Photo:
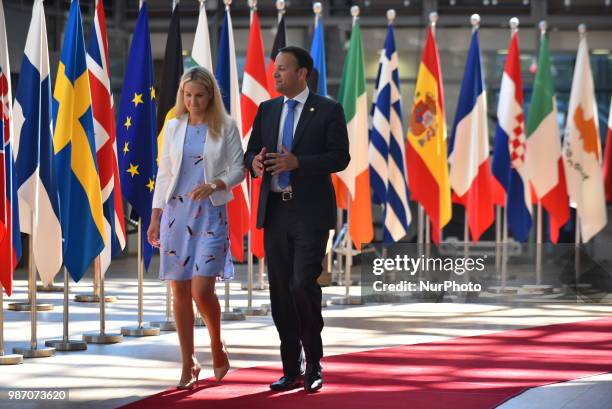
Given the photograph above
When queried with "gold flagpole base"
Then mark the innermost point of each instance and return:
(50, 288)
(99, 338)
(351, 300)
(11, 359)
(496, 289)
(164, 325)
(69, 345)
(92, 298)
(25, 306)
(233, 316)
(245, 287)
(39, 352)
(538, 288)
(252, 311)
(139, 331)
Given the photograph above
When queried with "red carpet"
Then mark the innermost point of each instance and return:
(470, 372)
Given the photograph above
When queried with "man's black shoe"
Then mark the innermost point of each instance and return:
(313, 379)
(286, 383)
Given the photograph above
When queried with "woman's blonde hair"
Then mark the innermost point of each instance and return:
(216, 117)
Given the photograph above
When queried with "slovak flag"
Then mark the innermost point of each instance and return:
(509, 167)
(470, 174)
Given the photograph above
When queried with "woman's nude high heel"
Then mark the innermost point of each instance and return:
(193, 382)
(221, 371)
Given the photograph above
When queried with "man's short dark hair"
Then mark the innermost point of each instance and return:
(303, 58)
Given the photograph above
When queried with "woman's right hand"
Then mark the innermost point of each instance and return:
(153, 233)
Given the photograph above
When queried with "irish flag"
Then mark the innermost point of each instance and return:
(582, 151)
(543, 158)
(353, 183)
(426, 147)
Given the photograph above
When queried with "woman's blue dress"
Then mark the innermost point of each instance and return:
(194, 237)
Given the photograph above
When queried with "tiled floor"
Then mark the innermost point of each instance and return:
(106, 376)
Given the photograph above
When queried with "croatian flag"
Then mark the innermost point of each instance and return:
(470, 174)
(509, 166)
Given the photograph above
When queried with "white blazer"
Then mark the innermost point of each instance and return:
(223, 160)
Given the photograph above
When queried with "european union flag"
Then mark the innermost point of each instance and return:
(81, 214)
(136, 129)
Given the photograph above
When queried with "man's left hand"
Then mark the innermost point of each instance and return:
(284, 161)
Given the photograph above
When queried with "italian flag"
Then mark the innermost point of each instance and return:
(544, 158)
(353, 183)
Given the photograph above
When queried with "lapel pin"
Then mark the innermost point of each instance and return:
(311, 109)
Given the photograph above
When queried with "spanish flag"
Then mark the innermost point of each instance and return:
(426, 146)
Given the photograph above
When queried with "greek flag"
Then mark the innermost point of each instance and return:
(386, 151)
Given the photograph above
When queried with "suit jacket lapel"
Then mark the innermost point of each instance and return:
(276, 111)
(307, 113)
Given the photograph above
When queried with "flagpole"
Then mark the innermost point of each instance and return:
(51, 288)
(514, 23)
(101, 337)
(317, 9)
(168, 324)
(9, 359)
(94, 297)
(25, 306)
(34, 351)
(66, 344)
(498, 239)
(228, 314)
(582, 30)
(390, 17)
(577, 243)
(250, 310)
(280, 7)
(542, 27)
(433, 19)
(140, 330)
(475, 21)
(348, 247)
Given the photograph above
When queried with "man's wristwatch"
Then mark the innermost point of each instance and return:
(213, 186)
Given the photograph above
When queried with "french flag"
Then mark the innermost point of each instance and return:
(511, 145)
(227, 76)
(470, 174)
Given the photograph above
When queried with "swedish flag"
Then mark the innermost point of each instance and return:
(81, 215)
(136, 129)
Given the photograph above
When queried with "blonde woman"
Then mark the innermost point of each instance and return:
(201, 160)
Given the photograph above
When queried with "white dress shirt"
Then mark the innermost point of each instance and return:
(301, 99)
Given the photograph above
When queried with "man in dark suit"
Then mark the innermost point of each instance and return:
(297, 141)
